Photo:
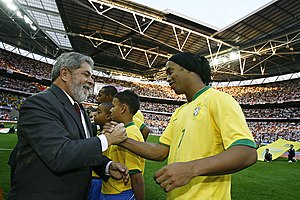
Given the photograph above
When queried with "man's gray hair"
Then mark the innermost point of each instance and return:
(71, 61)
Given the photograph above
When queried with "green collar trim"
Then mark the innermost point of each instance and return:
(200, 92)
(129, 124)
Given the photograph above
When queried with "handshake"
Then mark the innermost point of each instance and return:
(114, 132)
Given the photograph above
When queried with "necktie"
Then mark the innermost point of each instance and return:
(77, 108)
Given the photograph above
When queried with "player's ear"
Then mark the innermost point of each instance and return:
(109, 98)
(124, 107)
(106, 97)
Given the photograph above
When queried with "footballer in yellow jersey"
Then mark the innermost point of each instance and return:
(132, 161)
(193, 133)
(125, 105)
(206, 139)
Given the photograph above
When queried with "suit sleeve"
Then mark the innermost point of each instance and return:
(100, 169)
(54, 137)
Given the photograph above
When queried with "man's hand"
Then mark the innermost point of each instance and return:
(119, 171)
(173, 175)
(115, 133)
(109, 127)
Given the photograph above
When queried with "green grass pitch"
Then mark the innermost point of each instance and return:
(276, 180)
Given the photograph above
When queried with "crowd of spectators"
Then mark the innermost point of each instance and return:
(21, 85)
(4, 115)
(16, 63)
(158, 107)
(157, 123)
(141, 88)
(277, 92)
(10, 100)
(268, 132)
(34, 87)
(157, 115)
(288, 112)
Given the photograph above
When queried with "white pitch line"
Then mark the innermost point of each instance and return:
(5, 149)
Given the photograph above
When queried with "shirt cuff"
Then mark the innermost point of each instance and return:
(104, 142)
(107, 168)
(98, 127)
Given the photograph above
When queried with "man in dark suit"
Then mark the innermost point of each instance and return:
(55, 153)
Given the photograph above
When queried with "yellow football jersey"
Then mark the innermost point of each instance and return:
(132, 161)
(208, 125)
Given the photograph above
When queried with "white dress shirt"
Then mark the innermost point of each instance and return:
(102, 138)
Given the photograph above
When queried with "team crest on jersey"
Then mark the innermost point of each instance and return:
(196, 111)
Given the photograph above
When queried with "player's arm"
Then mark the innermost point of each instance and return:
(145, 132)
(146, 150)
(232, 160)
(138, 186)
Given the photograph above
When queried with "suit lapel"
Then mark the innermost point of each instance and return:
(69, 108)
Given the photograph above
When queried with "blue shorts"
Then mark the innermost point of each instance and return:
(125, 195)
(95, 189)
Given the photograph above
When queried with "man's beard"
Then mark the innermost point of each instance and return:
(78, 90)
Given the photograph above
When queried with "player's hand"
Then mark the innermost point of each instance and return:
(173, 175)
(119, 171)
(115, 133)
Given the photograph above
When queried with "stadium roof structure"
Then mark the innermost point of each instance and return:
(124, 37)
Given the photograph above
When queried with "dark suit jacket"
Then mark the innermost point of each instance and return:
(54, 159)
(94, 129)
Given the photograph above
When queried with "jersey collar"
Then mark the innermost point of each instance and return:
(129, 124)
(200, 92)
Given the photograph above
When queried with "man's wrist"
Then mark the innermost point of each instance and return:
(107, 168)
(98, 127)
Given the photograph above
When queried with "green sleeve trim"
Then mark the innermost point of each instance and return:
(244, 142)
(164, 144)
(129, 124)
(134, 171)
(142, 126)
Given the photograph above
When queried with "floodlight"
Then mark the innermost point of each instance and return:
(234, 55)
(10, 5)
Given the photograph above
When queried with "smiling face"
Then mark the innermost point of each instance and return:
(177, 77)
(80, 82)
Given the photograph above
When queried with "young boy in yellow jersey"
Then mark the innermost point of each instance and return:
(106, 94)
(206, 139)
(102, 116)
(125, 105)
